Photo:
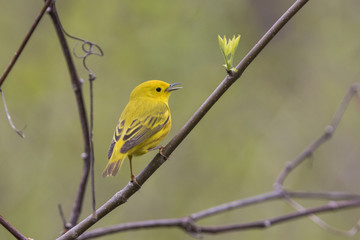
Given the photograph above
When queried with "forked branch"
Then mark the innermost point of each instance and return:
(24, 42)
(188, 224)
(77, 87)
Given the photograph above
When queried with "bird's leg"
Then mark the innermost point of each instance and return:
(132, 176)
(161, 148)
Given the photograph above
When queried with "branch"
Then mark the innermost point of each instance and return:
(122, 196)
(77, 89)
(15, 58)
(318, 221)
(273, 195)
(272, 221)
(329, 130)
(18, 131)
(24, 42)
(76, 84)
(11, 229)
(188, 223)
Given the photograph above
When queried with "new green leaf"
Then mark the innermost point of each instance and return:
(228, 48)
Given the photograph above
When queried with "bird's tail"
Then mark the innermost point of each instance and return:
(112, 167)
(116, 159)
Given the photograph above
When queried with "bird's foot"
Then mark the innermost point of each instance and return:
(161, 148)
(134, 181)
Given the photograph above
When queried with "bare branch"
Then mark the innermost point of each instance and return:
(188, 223)
(88, 48)
(62, 216)
(76, 84)
(175, 222)
(237, 204)
(274, 195)
(91, 140)
(322, 195)
(318, 221)
(121, 196)
(24, 42)
(272, 221)
(15, 58)
(329, 130)
(19, 132)
(11, 229)
(261, 44)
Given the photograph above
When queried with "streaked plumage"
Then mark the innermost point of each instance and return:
(145, 121)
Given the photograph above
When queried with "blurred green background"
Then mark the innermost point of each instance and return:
(282, 103)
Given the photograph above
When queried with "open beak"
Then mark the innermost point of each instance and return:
(173, 87)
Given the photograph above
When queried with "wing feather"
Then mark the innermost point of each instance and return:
(149, 125)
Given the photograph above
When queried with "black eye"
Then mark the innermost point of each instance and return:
(158, 89)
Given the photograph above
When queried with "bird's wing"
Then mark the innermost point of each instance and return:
(144, 127)
(137, 123)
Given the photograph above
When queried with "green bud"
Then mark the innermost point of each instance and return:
(228, 48)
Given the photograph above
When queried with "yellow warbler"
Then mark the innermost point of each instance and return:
(144, 122)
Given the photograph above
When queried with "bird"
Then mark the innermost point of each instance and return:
(144, 122)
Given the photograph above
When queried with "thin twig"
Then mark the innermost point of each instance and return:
(322, 195)
(15, 58)
(62, 216)
(19, 132)
(329, 130)
(89, 48)
(76, 84)
(237, 204)
(121, 196)
(12, 230)
(92, 156)
(175, 222)
(318, 221)
(24, 42)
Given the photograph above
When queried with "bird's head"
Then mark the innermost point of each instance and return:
(154, 89)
